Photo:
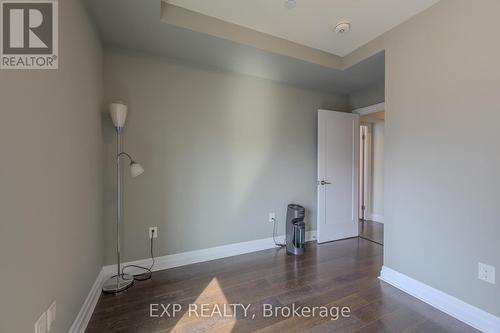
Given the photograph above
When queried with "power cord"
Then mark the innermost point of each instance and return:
(274, 234)
(148, 271)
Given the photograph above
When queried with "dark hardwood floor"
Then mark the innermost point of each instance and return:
(337, 274)
(371, 230)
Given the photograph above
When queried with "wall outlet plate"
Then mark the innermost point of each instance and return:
(51, 316)
(153, 232)
(272, 217)
(486, 273)
(41, 324)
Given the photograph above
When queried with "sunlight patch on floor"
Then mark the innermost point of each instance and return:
(210, 311)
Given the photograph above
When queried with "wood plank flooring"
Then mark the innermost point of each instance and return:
(335, 275)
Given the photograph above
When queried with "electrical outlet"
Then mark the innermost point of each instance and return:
(153, 232)
(272, 217)
(41, 324)
(51, 315)
(486, 273)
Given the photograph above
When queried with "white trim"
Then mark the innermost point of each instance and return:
(83, 317)
(370, 109)
(192, 257)
(375, 217)
(462, 311)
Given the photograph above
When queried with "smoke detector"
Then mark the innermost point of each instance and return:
(342, 27)
(290, 4)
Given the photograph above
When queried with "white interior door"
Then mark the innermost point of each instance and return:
(338, 163)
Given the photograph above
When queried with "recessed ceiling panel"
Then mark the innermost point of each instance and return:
(312, 22)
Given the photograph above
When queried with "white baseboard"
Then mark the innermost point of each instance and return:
(450, 305)
(192, 257)
(376, 217)
(83, 317)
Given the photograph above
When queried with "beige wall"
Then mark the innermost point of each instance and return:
(220, 151)
(368, 96)
(51, 245)
(441, 135)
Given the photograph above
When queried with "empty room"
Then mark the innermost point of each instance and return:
(249, 166)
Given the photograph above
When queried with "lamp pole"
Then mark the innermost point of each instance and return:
(118, 197)
(120, 281)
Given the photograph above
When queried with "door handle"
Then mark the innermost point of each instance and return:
(324, 182)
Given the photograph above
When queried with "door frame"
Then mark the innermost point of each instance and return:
(365, 184)
(370, 109)
(375, 108)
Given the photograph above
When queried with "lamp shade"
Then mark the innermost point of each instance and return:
(118, 112)
(136, 169)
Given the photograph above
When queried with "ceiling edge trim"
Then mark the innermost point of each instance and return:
(191, 20)
(370, 109)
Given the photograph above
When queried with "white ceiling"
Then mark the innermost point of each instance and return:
(311, 22)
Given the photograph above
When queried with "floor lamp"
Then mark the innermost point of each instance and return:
(120, 281)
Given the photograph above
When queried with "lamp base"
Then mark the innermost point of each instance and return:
(117, 283)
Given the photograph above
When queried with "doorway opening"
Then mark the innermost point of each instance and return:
(371, 176)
